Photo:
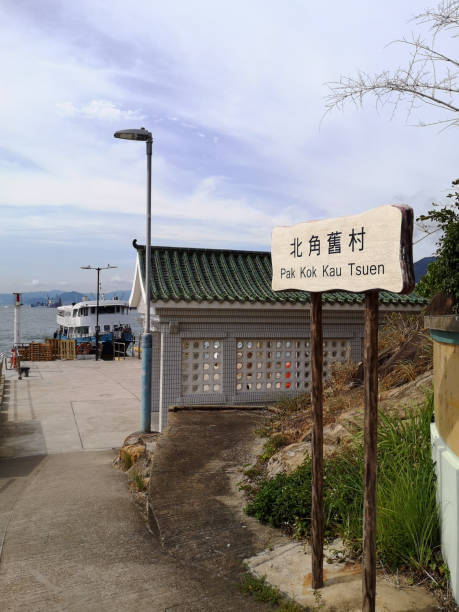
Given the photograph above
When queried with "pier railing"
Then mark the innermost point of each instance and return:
(119, 350)
(3, 363)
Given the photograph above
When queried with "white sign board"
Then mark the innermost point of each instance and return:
(372, 250)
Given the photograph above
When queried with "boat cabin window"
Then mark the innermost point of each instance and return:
(93, 309)
(74, 313)
(107, 309)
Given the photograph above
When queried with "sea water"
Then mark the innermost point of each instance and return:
(39, 323)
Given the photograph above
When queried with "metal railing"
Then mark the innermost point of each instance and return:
(119, 350)
(3, 363)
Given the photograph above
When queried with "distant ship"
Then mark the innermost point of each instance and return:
(48, 303)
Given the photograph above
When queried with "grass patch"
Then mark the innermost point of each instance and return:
(127, 459)
(399, 328)
(263, 591)
(408, 532)
(272, 445)
(260, 589)
(137, 481)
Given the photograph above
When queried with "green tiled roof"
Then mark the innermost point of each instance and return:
(217, 275)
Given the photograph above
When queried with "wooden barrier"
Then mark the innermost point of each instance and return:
(54, 344)
(24, 352)
(40, 352)
(67, 349)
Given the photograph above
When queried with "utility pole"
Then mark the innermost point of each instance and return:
(98, 268)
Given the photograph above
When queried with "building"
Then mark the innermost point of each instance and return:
(222, 336)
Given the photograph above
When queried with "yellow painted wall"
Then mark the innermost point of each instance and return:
(446, 393)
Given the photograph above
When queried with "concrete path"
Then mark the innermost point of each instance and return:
(70, 537)
(66, 406)
(194, 494)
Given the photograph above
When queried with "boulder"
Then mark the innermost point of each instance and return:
(288, 458)
(334, 436)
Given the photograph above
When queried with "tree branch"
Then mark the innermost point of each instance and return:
(428, 77)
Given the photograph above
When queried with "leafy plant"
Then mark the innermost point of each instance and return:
(443, 274)
(407, 516)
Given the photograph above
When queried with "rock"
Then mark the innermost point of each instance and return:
(133, 438)
(288, 458)
(135, 451)
(150, 440)
(352, 420)
(334, 435)
(409, 394)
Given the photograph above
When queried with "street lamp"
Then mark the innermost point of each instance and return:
(145, 136)
(98, 268)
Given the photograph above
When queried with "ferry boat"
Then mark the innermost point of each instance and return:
(78, 322)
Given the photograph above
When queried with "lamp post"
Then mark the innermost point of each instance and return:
(98, 268)
(145, 136)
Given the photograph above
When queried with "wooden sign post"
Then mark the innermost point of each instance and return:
(317, 520)
(367, 252)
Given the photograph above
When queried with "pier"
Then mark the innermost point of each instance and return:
(70, 536)
(70, 406)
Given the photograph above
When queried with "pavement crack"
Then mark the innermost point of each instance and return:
(76, 424)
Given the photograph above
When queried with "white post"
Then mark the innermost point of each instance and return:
(17, 319)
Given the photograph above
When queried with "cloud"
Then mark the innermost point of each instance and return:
(35, 282)
(235, 119)
(103, 110)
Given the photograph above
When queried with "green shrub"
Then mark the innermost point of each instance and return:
(407, 516)
(284, 500)
(408, 525)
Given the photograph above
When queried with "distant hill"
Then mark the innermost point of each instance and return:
(420, 267)
(67, 297)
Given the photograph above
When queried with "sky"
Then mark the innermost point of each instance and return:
(233, 92)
